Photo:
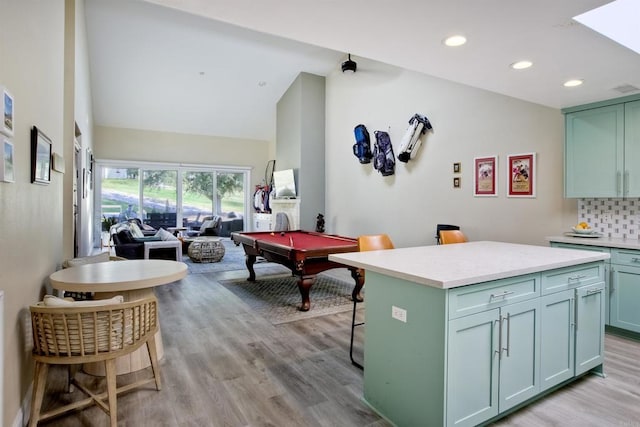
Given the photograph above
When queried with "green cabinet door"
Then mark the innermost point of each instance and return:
(557, 338)
(594, 152)
(472, 382)
(589, 327)
(520, 353)
(632, 149)
(625, 297)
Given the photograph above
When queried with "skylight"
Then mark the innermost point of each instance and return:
(616, 20)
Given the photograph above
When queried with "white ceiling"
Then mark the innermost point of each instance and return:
(195, 66)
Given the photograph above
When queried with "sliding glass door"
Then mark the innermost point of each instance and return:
(165, 196)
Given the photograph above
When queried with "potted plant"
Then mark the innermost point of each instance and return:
(108, 222)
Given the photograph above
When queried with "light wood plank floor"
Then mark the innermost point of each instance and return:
(226, 366)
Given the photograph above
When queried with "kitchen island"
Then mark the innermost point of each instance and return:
(460, 335)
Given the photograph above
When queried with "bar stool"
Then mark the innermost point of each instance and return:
(370, 242)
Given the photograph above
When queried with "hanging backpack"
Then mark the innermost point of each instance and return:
(383, 159)
(362, 147)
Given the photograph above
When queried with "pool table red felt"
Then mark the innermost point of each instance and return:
(306, 253)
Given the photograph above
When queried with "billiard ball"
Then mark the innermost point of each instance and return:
(282, 233)
(273, 234)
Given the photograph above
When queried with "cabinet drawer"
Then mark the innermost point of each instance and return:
(571, 277)
(472, 299)
(625, 257)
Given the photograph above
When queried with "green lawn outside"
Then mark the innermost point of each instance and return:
(129, 187)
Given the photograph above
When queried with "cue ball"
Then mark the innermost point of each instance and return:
(282, 233)
(272, 234)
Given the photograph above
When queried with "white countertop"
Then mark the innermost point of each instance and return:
(450, 266)
(607, 242)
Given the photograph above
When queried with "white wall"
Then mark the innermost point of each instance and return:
(32, 68)
(467, 123)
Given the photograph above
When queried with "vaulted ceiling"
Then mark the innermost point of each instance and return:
(215, 67)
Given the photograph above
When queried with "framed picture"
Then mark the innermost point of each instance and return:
(40, 157)
(522, 175)
(456, 168)
(456, 182)
(6, 107)
(485, 176)
(6, 166)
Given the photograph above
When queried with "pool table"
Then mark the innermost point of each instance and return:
(305, 253)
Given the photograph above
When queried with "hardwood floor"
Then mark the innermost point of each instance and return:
(226, 366)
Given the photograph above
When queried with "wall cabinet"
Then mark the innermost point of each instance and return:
(602, 151)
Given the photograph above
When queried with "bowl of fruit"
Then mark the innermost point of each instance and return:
(583, 228)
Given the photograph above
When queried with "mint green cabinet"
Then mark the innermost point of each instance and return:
(632, 148)
(557, 338)
(607, 271)
(625, 297)
(594, 152)
(467, 355)
(504, 372)
(602, 151)
(589, 327)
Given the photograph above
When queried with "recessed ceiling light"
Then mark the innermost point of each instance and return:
(454, 41)
(573, 83)
(521, 65)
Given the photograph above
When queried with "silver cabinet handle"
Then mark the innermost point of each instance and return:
(577, 278)
(499, 350)
(508, 333)
(571, 310)
(618, 182)
(502, 295)
(634, 259)
(625, 183)
(593, 291)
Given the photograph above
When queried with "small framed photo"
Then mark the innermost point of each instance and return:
(40, 157)
(6, 166)
(456, 182)
(485, 176)
(7, 109)
(522, 175)
(456, 167)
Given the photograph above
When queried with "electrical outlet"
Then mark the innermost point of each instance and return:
(606, 218)
(399, 313)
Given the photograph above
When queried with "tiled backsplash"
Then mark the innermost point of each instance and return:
(612, 217)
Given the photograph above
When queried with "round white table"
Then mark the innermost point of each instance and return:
(133, 279)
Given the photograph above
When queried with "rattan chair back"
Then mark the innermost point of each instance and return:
(67, 335)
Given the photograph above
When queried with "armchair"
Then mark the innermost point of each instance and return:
(211, 226)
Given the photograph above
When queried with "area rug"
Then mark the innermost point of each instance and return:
(277, 298)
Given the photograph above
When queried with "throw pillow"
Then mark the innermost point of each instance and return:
(101, 257)
(165, 235)
(135, 230)
(53, 301)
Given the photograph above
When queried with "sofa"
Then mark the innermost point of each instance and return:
(130, 246)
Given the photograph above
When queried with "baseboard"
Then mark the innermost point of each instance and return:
(22, 417)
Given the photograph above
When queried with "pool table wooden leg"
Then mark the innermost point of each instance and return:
(249, 261)
(358, 276)
(304, 285)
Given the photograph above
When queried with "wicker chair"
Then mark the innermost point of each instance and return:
(76, 334)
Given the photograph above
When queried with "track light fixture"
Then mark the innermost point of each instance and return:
(349, 65)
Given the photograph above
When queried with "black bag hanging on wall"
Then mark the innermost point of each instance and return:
(362, 147)
(383, 159)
